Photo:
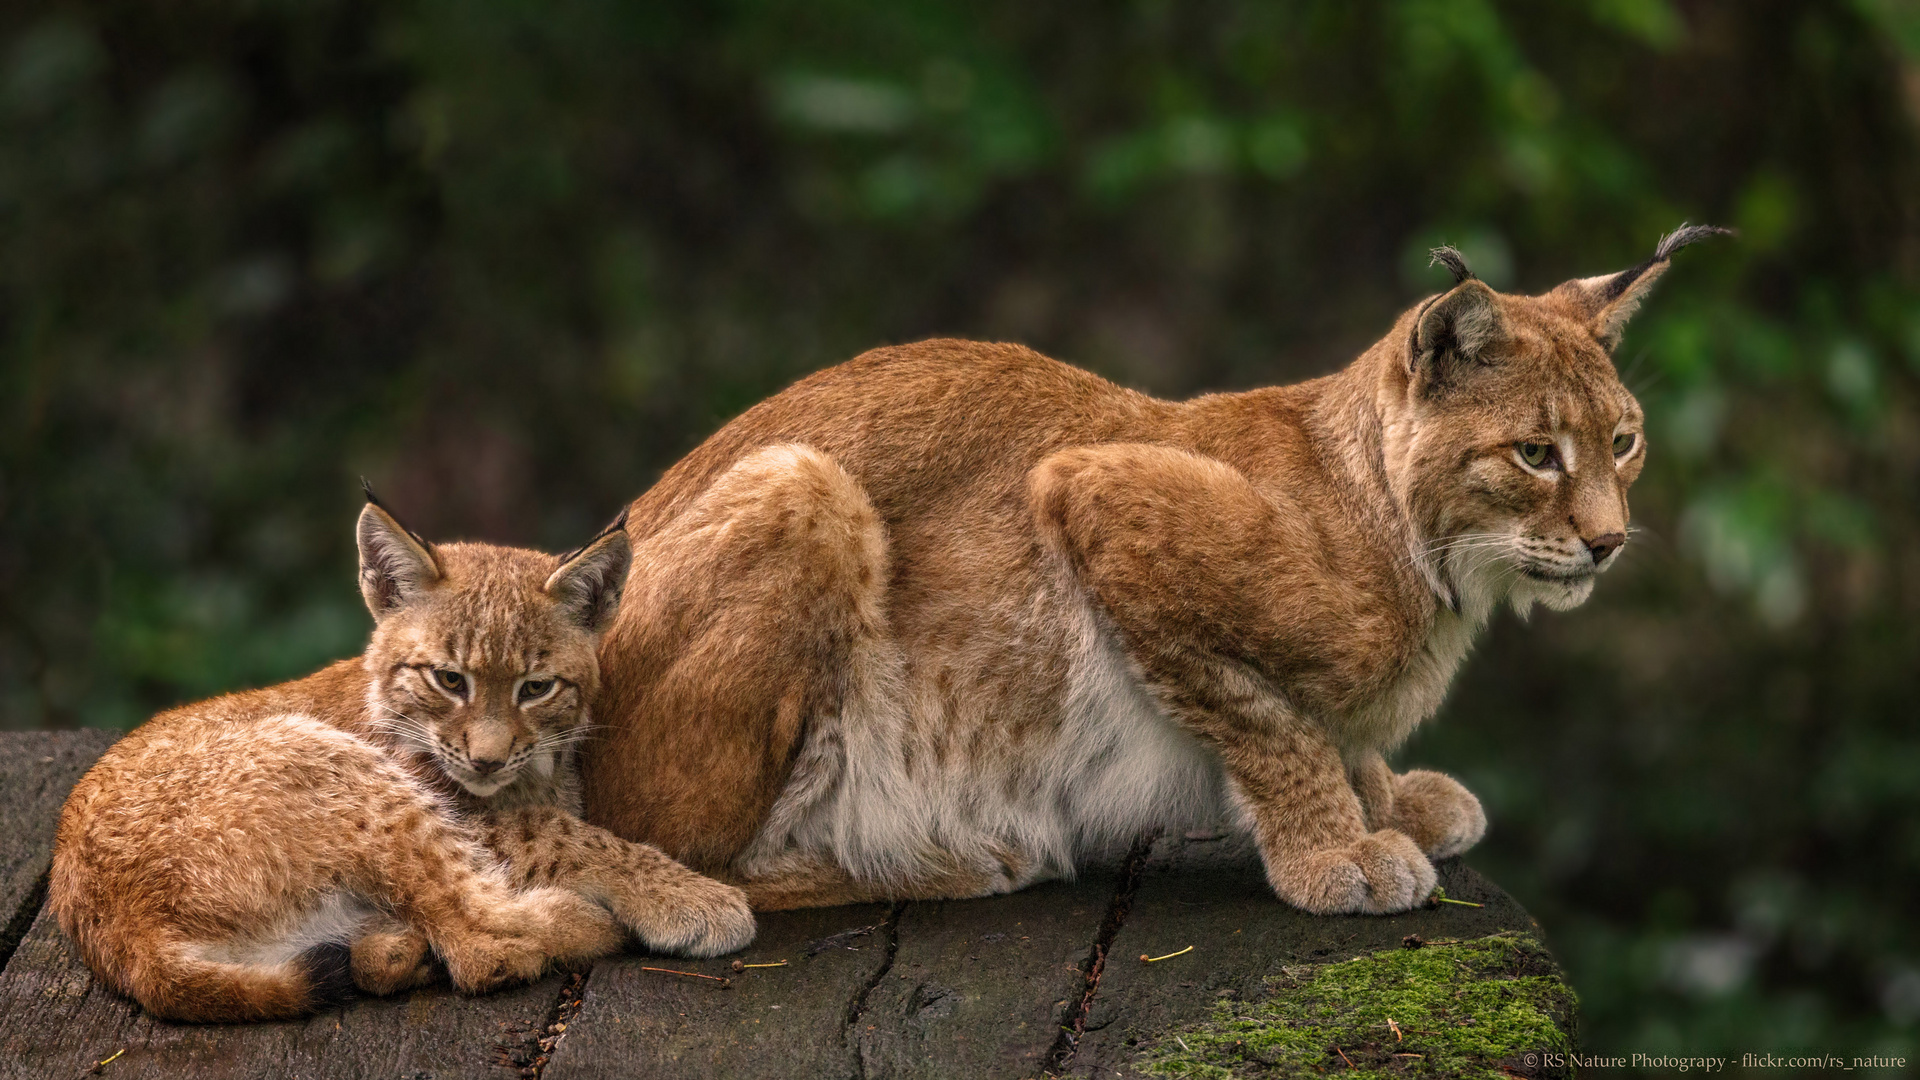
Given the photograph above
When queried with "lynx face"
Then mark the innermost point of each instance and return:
(483, 657)
(1518, 441)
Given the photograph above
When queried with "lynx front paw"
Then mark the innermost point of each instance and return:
(1442, 816)
(694, 916)
(1379, 873)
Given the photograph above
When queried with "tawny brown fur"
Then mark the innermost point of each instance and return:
(211, 858)
(942, 619)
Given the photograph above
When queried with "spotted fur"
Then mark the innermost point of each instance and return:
(216, 860)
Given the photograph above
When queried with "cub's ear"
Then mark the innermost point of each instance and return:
(589, 581)
(1608, 301)
(396, 566)
(1456, 330)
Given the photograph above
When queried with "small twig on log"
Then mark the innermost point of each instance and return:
(1462, 903)
(1344, 1057)
(1144, 958)
(100, 1066)
(738, 966)
(1395, 1028)
(721, 979)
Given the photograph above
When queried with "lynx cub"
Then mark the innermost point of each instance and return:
(223, 860)
(954, 616)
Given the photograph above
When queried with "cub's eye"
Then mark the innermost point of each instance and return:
(535, 688)
(1536, 454)
(451, 681)
(1623, 442)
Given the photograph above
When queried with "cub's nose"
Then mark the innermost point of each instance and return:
(486, 766)
(1604, 545)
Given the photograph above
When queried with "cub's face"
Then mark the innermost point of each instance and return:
(483, 658)
(1519, 444)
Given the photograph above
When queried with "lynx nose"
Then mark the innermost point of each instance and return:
(486, 766)
(1604, 545)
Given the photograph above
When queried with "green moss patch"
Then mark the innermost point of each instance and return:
(1474, 1008)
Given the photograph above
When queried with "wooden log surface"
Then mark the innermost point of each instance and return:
(1046, 981)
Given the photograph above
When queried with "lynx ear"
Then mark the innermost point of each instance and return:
(396, 566)
(1609, 300)
(1456, 330)
(589, 581)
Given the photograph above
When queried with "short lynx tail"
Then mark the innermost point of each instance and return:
(174, 984)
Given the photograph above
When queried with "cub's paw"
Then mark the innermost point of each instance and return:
(1379, 873)
(478, 963)
(390, 960)
(569, 926)
(691, 914)
(1442, 816)
(522, 938)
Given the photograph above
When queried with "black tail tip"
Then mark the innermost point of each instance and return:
(329, 971)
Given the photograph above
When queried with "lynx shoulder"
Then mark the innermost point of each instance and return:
(249, 856)
(954, 616)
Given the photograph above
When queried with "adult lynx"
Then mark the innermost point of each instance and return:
(940, 620)
(221, 858)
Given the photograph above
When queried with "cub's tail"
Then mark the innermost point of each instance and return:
(176, 983)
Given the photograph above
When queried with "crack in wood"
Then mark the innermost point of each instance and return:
(531, 1054)
(858, 1005)
(22, 920)
(1073, 1022)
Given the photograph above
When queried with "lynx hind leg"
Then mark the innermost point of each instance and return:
(757, 609)
(1438, 812)
(667, 906)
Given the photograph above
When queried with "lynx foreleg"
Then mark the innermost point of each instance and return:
(1441, 815)
(1228, 609)
(664, 904)
(1294, 795)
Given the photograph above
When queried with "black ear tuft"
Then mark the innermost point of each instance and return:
(589, 581)
(1449, 256)
(1684, 235)
(1662, 253)
(374, 500)
(618, 524)
(1612, 300)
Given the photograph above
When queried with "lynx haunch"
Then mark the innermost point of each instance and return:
(942, 620)
(245, 857)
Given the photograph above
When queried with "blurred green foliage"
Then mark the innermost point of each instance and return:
(511, 259)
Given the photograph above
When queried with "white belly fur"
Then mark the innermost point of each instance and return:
(1114, 766)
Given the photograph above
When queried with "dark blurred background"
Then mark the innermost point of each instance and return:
(510, 259)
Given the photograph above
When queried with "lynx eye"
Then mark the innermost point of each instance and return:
(1536, 454)
(1623, 442)
(451, 681)
(535, 688)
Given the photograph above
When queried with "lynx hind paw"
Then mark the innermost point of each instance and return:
(1379, 873)
(1441, 815)
(695, 917)
(389, 961)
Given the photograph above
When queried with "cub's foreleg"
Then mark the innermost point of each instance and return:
(444, 887)
(666, 905)
(1226, 603)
